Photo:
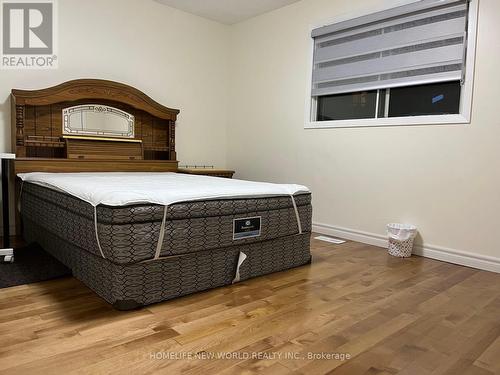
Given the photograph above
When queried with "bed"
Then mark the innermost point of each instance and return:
(135, 231)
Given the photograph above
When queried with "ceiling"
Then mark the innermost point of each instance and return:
(227, 11)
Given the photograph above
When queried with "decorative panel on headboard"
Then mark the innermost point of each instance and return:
(37, 127)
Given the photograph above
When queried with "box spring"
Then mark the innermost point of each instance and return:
(198, 251)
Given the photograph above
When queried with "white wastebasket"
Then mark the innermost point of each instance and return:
(401, 238)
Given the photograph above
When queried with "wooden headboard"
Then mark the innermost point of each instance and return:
(39, 144)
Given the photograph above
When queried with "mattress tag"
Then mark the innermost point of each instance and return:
(246, 227)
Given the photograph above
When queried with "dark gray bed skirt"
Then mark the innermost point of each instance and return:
(128, 286)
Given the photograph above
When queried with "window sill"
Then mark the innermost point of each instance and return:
(393, 121)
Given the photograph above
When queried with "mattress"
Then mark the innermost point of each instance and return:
(130, 234)
(146, 247)
(164, 188)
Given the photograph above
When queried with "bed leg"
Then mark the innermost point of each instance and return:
(127, 304)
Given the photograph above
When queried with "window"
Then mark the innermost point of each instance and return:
(422, 100)
(406, 65)
(434, 99)
(347, 106)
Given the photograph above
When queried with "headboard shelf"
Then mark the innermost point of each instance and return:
(25, 165)
(38, 131)
(102, 139)
(43, 141)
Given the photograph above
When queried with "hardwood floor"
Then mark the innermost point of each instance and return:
(391, 316)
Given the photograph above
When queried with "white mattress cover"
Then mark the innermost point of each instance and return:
(165, 188)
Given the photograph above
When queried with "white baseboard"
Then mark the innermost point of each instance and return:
(426, 250)
(351, 234)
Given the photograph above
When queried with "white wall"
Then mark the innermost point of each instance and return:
(180, 60)
(445, 179)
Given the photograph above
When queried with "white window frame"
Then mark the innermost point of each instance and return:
(464, 117)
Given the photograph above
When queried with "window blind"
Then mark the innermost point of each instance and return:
(419, 43)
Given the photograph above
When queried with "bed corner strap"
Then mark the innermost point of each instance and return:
(97, 233)
(162, 234)
(241, 259)
(20, 195)
(299, 224)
